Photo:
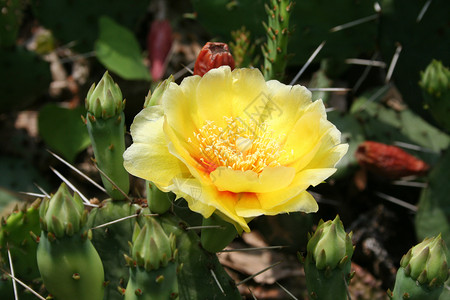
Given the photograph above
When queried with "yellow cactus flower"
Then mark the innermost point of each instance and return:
(233, 144)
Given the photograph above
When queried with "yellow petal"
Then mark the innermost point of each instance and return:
(287, 104)
(249, 94)
(301, 181)
(237, 181)
(303, 136)
(184, 153)
(328, 157)
(238, 94)
(214, 98)
(205, 199)
(303, 202)
(148, 156)
(180, 108)
(249, 205)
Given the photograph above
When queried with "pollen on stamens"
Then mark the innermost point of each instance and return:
(241, 145)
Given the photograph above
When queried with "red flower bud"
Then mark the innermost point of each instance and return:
(213, 55)
(159, 42)
(389, 161)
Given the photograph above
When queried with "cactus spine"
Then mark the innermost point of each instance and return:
(68, 262)
(105, 122)
(328, 261)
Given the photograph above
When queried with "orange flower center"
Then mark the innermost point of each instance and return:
(241, 145)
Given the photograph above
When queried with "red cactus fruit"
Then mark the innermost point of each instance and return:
(213, 55)
(389, 161)
(159, 42)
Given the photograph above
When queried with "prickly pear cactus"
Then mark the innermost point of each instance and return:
(328, 261)
(105, 122)
(433, 217)
(423, 271)
(277, 28)
(111, 241)
(153, 267)
(435, 84)
(15, 235)
(311, 20)
(195, 275)
(68, 262)
(421, 36)
(384, 124)
(243, 49)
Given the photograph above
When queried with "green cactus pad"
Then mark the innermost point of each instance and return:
(108, 141)
(433, 214)
(195, 280)
(15, 235)
(111, 241)
(71, 268)
(155, 284)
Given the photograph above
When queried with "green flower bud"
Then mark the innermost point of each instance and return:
(62, 214)
(151, 247)
(105, 100)
(427, 262)
(436, 79)
(155, 97)
(330, 246)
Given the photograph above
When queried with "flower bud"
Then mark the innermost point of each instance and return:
(105, 100)
(330, 246)
(155, 97)
(435, 83)
(62, 214)
(427, 262)
(213, 55)
(435, 79)
(152, 248)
